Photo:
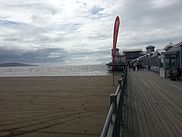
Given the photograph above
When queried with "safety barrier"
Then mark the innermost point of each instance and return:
(115, 117)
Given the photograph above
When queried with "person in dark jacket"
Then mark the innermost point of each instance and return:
(176, 75)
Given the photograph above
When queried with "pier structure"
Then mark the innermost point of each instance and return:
(152, 107)
(118, 62)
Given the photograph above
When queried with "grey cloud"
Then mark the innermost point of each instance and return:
(11, 39)
(141, 24)
(66, 27)
(31, 39)
(12, 24)
(51, 55)
(37, 18)
(144, 20)
(142, 14)
(90, 53)
(46, 54)
(42, 39)
(99, 56)
(98, 36)
(27, 33)
(21, 26)
(28, 28)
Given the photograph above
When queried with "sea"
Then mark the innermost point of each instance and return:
(66, 70)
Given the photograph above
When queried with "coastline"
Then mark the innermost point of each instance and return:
(54, 106)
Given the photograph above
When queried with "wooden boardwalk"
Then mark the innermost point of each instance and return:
(154, 106)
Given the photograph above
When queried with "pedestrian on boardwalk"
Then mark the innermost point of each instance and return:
(129, 65)
(138, 66)
(134, 66)
(143, 66)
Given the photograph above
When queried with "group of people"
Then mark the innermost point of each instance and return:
(139, 65)
(136, 65)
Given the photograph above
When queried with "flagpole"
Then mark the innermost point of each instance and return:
(112, 76)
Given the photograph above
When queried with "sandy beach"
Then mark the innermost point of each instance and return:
(54, 106)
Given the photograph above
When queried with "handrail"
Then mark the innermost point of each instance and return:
(112, 128)
(117, 90)
(108, 119)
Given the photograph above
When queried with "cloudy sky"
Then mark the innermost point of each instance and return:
(80, 31)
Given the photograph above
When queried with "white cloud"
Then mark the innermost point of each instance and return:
(80, 26)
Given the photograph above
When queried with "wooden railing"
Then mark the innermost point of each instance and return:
(115, 118)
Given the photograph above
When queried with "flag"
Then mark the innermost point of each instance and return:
(115, 36)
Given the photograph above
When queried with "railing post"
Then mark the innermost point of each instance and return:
(113, 99)
(123, 98)
(120, 82)
(120, 106)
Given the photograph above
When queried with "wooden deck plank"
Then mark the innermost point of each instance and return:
(151, 114)
(160, 120)
(146, 104)
(155, 106)
(134, 116)
(128, 132)
(168, 112)
(161, 110)
(146, 117)
(139, 113)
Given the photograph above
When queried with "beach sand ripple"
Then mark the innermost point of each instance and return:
(54, 106)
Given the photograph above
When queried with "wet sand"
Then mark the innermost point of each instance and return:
(54, 106)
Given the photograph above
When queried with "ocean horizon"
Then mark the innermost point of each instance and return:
(61, 70)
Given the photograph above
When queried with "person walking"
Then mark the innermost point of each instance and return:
(138, 65)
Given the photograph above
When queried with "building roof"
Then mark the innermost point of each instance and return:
(158, 52)
(169, 46)
(175, 48)
(150, 47)
(132, 50)
(179, 44)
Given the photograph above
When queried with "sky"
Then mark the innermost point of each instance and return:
(80, 31)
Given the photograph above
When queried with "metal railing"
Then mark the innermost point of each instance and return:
(115, 117)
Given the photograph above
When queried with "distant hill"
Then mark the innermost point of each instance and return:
(14, 65)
